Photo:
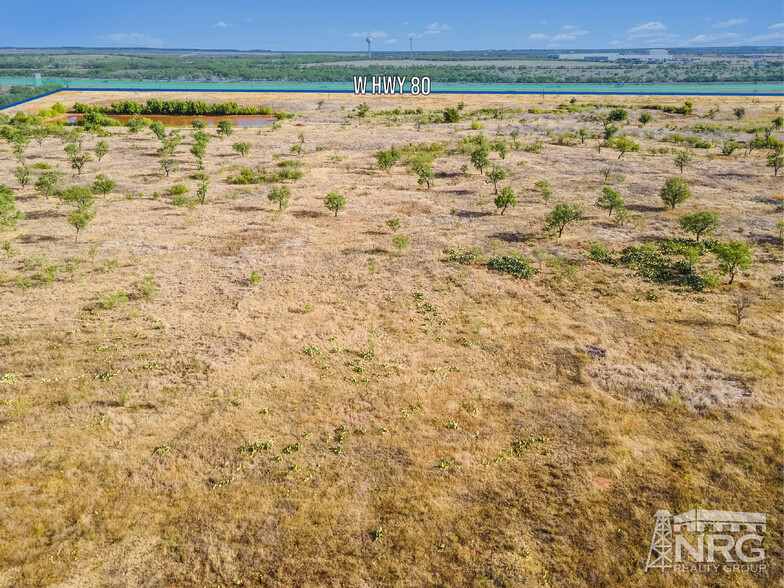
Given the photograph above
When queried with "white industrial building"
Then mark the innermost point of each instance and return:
(652, 55)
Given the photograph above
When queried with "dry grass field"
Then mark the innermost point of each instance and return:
(359, 415)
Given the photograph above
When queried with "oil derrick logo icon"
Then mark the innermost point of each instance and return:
(707, 541)
(660, 552)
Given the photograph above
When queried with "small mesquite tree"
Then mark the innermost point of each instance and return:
(198, 124)
(562, 215)
(424, 172)
(335, 202)
(451, 115)
(78, 157)
(742, 301)
(682, 159)
(495, 175)
(610, 200)
(103, 185)
(624, 144)
(545, 189)
(47, 182)
(225, 128)
(386, 159)
(41, 133)
(19, 144)
(22, 174)
(280, 195)
(645, 118)
(135, 124)
(301, 138)
(82, 200)
(9, 214)
(739, 112)
(158, 129)
(198, 149)
(169, 165)
(479, 158)
(201, 190)
(699, 223)
(80, 218)
(617, 115)
(675, 191)
(297, 148)
(733, 257)
(101, 149)
(170, 143)
(505, 199)
(776, 161)
(501, 148)
(241, 148)
(401, 242)
(394, 224)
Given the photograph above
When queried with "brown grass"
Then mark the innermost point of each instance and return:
(683, 411)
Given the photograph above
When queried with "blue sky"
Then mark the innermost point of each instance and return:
(434, 26)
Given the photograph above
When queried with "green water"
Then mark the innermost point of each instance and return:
(326, 87)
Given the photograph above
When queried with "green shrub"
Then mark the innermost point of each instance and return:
(519, 268)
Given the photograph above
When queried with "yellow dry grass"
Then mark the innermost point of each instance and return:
(121, 428)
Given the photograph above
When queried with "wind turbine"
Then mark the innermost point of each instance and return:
(369, 41)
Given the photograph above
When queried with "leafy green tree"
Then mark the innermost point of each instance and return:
(200, 136)
(424, 172)
(394, 224)
(101, 149)
(545, 189)
(776, 161)
(335, 202)
(9, 214)
(479, 158)
(495, 175)
(505, 199)
(201, 190)
(198, 149)
(77, 197)
(401, 242)
(298, 149)
(281, 195)
(609, 131)
(501, 148)
(730, 147)
(135, 124)
(169, 165)
(705, 222)
(41, 133)
(301, 138)
(739, 112)
(610, 200)
(47, 182)
(225, 128)
(103, 185)
(386, 159)
(79, 159)
(158, 129)
(80, 218)
(645, 118)
(22, 174)
(624, 144)
(617, 115)
(734, 256)
(562, 215)
(675, 191)
(241, 148)
(777, 123)
(197, 124)
(682, 159)
(451, 115)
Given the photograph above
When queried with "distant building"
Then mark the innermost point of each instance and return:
(652, 55)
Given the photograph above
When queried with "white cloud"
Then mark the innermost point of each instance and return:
(131, 40)
(569, 27)
(435, 28)
(538, 37)
(222, 25)
(733, 22)
(542, 22)
(769, 37)
(570, 36)
(647, 27)
(414, 35)
(374, 34)
(778, 25)
(713, 38)
(390, 41)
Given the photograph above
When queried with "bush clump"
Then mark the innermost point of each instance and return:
(519, 268)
